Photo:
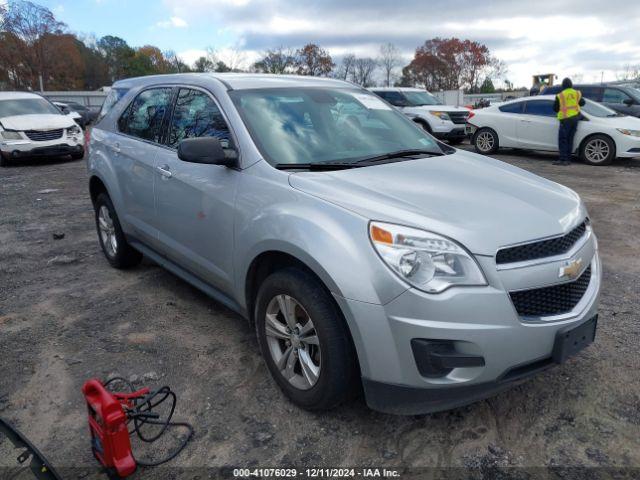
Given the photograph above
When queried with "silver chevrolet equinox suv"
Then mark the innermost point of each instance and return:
(368, 255)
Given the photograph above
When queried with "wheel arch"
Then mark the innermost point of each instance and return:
(96, 187)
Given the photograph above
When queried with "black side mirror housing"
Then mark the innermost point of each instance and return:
(206, 150)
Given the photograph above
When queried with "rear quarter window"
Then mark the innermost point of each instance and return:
(512, 107)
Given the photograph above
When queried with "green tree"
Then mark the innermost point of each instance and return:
(203, 64)
(118, 56)
(487, 86)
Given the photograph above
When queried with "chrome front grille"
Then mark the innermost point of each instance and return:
(458, 117)
(554, 300)
(542, 248)
(43, 135)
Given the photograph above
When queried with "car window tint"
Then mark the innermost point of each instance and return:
(592, 93)
(613, 95)
(511, 108)
(543, 108)
(143, 118)
(197, 115)
(394, 98)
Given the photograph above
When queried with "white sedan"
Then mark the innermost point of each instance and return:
(531, 124)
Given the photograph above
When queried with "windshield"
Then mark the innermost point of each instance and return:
(315, 125)
(26, 106)
(421, 98)
(597, 109)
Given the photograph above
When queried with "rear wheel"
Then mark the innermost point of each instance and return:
(598, 150)
(4, 160)
(485, 141)
(304, 340)
(112, 240)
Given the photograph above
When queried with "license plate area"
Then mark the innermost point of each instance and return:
(572, 340)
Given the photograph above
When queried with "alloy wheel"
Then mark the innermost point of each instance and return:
(597, 150)
(485, 141)
(107, 231)
(293, 342)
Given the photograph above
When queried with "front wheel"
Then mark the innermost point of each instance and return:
(485, 141)
(304, 340)
(598, 150)
(112, 240)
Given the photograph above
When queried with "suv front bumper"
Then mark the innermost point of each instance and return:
(478, 321)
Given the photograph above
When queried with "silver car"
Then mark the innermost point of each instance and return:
(368, 255)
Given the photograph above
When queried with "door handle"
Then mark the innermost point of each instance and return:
(164, 171)
(116, 147)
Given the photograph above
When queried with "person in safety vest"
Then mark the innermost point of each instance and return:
(567, 106)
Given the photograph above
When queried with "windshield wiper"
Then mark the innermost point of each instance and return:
(326, 166)
(399, 154)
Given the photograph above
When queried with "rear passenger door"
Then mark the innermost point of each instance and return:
(195, 202)
(538, 126)
(134, 150)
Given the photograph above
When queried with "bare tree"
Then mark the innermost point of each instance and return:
(313, 60)
(363, 71)
(629, 72)
(389, 59)
(345, 71)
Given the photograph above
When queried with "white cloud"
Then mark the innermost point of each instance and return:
(175, 22)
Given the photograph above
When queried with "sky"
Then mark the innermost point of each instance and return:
(585, 39)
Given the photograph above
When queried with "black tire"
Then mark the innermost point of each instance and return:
(77, 156)
(122, 255)
(485, 141)
(589, 150)
(338, 378)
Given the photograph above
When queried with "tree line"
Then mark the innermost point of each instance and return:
(38, 51)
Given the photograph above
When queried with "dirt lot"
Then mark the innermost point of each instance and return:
(66, 316)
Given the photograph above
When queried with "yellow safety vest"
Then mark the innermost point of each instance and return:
(569, 103)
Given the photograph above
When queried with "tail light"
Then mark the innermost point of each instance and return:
(471, 115)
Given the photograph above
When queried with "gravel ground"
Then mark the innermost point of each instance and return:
(66, 316)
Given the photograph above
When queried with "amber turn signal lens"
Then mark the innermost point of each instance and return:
(380, 235)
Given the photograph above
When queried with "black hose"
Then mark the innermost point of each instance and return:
(142, 414)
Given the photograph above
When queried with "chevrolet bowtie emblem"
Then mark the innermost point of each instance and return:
(570, 269)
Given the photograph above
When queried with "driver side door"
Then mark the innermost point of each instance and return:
(195, 202)
(538, 126)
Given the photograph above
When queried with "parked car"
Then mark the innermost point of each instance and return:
(65, 109)
(32, 126)
(531, 124)
(363, 253)
(88, 115)
(624, 99)
(442, 121)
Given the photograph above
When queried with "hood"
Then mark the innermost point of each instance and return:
(481, 202)
(630, 123)
(36, 122)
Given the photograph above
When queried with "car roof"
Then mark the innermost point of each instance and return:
(17, 95)
(237, 81)
(397, 89)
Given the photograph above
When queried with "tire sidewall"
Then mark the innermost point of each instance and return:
(612, 150)
(118, 259)
(334, 341)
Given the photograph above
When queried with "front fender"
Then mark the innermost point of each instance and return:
(332, 241)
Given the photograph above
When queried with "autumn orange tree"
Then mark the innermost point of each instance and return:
(449, 63)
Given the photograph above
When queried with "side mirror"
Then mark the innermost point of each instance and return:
(206, 150)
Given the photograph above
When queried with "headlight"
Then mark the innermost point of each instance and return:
(423, 259)
(75, 130)
(441, 115)
(633, 133)
(11, 135)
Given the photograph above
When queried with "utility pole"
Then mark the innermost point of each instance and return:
(41, 83)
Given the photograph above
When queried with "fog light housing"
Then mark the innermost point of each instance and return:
(438, 358)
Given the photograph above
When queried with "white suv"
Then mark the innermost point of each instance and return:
(442, 121)
(32, 126)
